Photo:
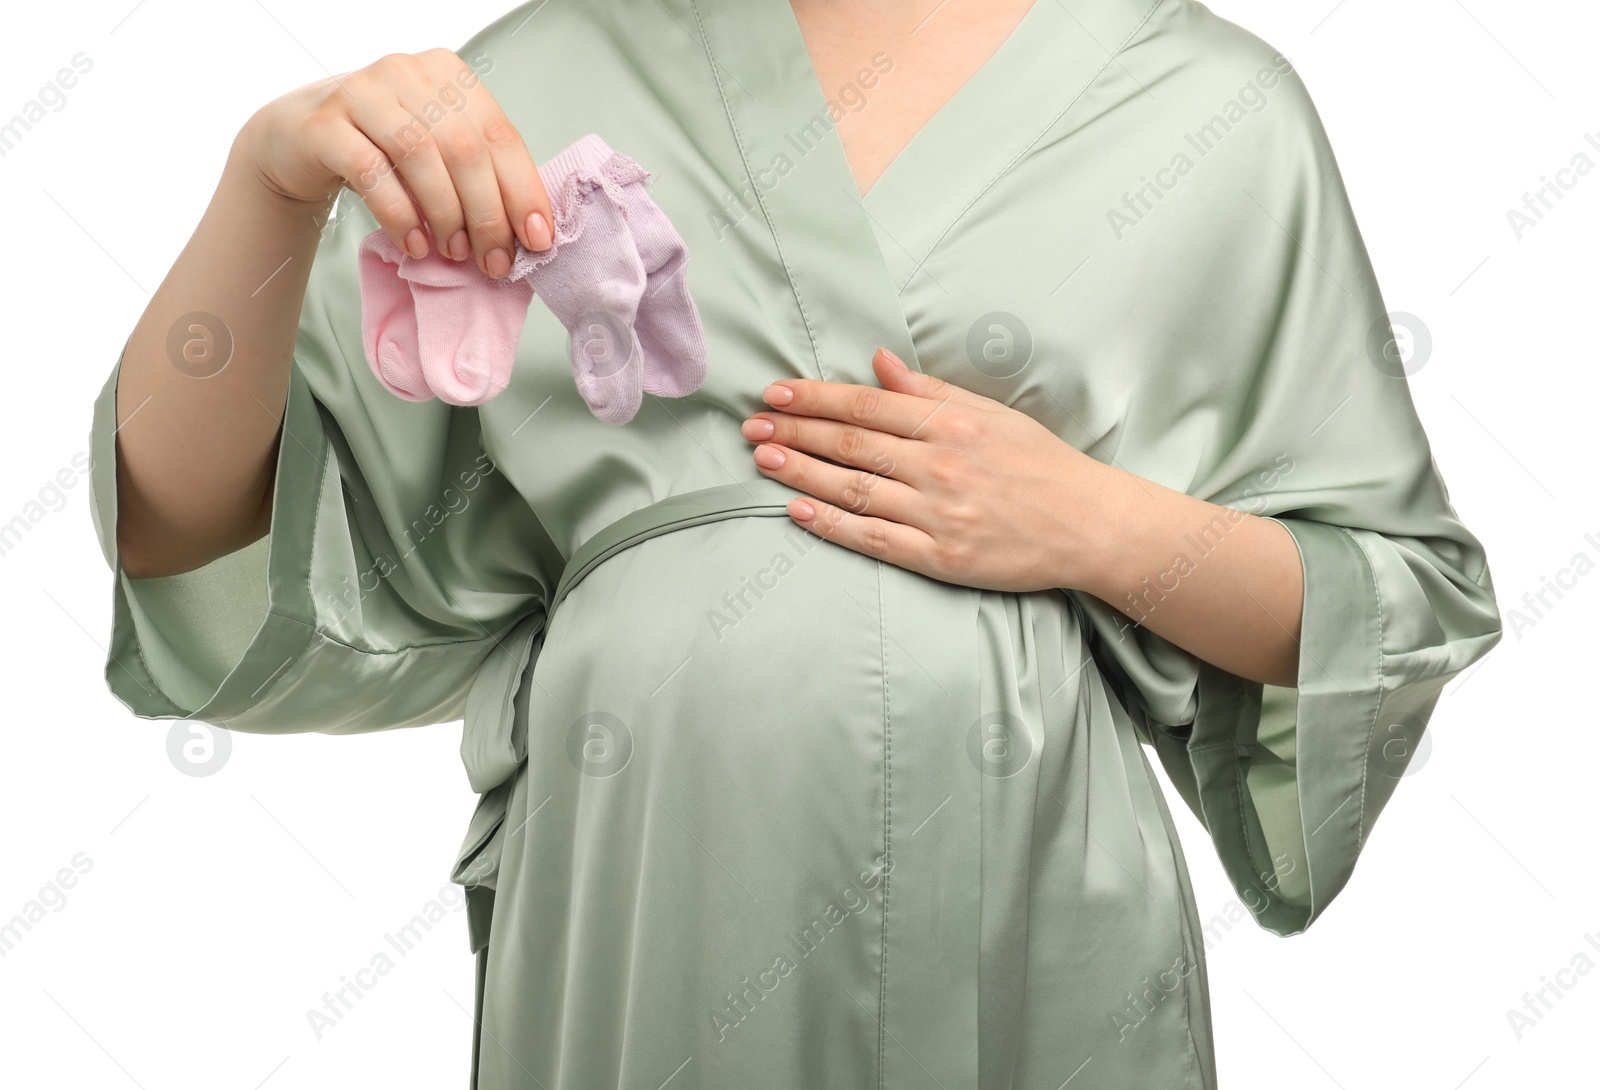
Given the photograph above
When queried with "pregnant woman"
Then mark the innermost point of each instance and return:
(1051, 414)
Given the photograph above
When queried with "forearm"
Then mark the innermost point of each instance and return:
(1222, 584)
(204, 379)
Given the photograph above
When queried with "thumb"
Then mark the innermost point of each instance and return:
(895, 375)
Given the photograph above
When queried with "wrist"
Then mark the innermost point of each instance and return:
(242, 170)
(242, 197)
(1107, 553)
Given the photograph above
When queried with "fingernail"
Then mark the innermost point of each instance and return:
(803, 511)
(892, 358)
(777, 395)
(758, 428)
(460, 245)
(539, 231)
(498, 263)
(416, 243)
(769, 457)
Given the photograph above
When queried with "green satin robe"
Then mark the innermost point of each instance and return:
(760, 811)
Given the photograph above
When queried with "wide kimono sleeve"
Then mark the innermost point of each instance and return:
(1321, 435)
(398, 559)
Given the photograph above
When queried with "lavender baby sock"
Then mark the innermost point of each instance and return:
(668, 325)
(592, 278)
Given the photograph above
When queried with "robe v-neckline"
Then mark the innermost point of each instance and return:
(1021, 28)
(848, 256)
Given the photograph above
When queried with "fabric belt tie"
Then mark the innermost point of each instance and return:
(494, 741)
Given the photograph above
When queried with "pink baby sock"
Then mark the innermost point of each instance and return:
(389, 320)
(467, 327)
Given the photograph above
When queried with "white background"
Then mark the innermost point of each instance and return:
(217, 910)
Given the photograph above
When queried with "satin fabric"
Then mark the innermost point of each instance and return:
(758, 810)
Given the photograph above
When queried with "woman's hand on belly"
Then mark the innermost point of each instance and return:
(931, 477)
(935, 478)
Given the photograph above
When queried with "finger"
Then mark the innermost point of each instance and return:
(522, 191)
(858, 491)
(898, 544)
(369, 174)
(521, 188)
(868, 406)
(895, 375)
(903, 414)
(466, 156)
(411, 153)
(462, 144)
(847, 444)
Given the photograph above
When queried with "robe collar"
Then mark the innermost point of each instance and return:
(848, 257)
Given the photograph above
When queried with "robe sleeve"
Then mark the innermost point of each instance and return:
(1324, 439)
(398, 558)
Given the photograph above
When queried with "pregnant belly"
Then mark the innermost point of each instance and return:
(773, 691)
(736, 666)
(776, 791)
